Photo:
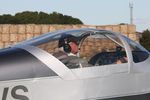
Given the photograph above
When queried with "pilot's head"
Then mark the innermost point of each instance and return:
(68, 43)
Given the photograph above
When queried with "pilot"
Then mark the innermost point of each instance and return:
(68, 49)
(122, 59)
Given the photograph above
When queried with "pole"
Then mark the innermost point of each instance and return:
(131, 12)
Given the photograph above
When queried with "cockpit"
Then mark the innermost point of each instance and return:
(80, 48)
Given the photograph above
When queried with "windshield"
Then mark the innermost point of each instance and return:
(139, 53)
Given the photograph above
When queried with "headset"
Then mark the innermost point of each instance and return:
(65, 40)
(67, 48)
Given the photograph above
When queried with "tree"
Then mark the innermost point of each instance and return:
(145, 40)
(43, 18)
(123, 24)
(7, 18)
(28, 17)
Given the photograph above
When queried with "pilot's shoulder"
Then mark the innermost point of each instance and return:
(60, 55)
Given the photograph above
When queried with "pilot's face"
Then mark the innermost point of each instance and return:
(74, 47)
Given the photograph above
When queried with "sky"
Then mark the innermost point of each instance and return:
(90, 12)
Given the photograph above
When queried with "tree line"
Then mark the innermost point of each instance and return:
(145, 39)
(29, 17)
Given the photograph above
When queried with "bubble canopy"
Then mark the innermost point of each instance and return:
(56, 35)
(98, 41)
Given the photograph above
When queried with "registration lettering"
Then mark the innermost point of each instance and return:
(14, 94)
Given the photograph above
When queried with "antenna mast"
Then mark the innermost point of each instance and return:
(131, 12)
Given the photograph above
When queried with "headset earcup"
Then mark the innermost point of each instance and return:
(67, 48)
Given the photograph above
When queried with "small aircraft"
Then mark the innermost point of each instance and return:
(75, 64)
